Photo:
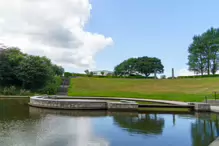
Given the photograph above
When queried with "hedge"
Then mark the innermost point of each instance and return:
(131, 77)
(198, 76)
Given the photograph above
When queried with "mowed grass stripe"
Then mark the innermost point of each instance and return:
(177, 89)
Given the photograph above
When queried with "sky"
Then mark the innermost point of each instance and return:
(99, 34)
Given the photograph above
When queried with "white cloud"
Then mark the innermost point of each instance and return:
(54, 28)
(185, 72)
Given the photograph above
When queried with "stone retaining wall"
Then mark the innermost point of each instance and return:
(67, 104)
(202, 107)
(44, 102)
(121, 106)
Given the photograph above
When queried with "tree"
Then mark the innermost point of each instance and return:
(163, 77)
(147, 66)
(59, 71)
(10, 59)
(67, 74)
(102, 73)
(35, 72)
(211, 38)
(143, 124)
(139, 66)
(197, 59)
(87, 72)
(27, 71)
(126, 68)
(204, 52)
(91, 74)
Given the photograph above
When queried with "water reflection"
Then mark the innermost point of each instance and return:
(14, 109)
(142, 123)
(22, 125)
(64, 131)
(205, 129)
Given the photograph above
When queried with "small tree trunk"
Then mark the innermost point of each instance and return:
(208, 66)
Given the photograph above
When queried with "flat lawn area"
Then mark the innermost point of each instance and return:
(168, 89)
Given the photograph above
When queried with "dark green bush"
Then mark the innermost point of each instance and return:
(25, 92)
(9, 90)
(128, 77)
(78, 75)
(111, 76)
(52, 87)
(67, 74)
(163, 76)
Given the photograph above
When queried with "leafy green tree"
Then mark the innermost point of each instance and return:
(35, 72)
(59, 71)
(126, 68)
(197, 59)
(102, 73)
(211, 38)
(148, 65)
(139, 66)
(87, 72)
(27, 72)
(163, 77)
(10, 59)
(204, 52)
(143, 124)
(91, 74)
(67, 74)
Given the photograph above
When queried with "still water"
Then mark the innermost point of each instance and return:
(21, 125)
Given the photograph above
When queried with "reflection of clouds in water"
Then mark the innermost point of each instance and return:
(65, 131)
(51, 131)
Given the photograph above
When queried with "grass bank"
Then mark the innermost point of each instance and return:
(177, 89)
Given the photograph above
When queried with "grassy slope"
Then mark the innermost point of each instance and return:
(178, 89)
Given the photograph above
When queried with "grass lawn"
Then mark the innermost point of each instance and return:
(177, 89)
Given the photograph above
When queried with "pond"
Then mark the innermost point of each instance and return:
(21, 125)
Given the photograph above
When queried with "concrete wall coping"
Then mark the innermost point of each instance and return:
(74, 104)
(41, 98)
(215, 143)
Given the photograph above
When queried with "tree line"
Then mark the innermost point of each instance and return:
(140, 67)
(203, 55)
(29, 72)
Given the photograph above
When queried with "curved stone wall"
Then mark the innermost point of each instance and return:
(66, 103)
(78, 104)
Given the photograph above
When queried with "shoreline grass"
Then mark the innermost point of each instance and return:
(188, 90)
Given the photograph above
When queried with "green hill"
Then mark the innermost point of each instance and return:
(167, 89)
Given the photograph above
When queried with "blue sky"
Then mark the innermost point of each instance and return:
(157, 28)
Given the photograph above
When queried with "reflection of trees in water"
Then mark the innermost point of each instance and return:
(14, 109)
(204, 131)
(143, 123)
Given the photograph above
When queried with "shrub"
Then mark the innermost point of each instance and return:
(9, 90)
(79, 75)
(25, 92)
(91, 74)
(198, 76)
(52, 86)
(131, 77)
(171, 78)
(67, 74)
(162, 77)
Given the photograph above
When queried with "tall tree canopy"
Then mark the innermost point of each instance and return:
(139, 66)
(204, 52)
(27, 71)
